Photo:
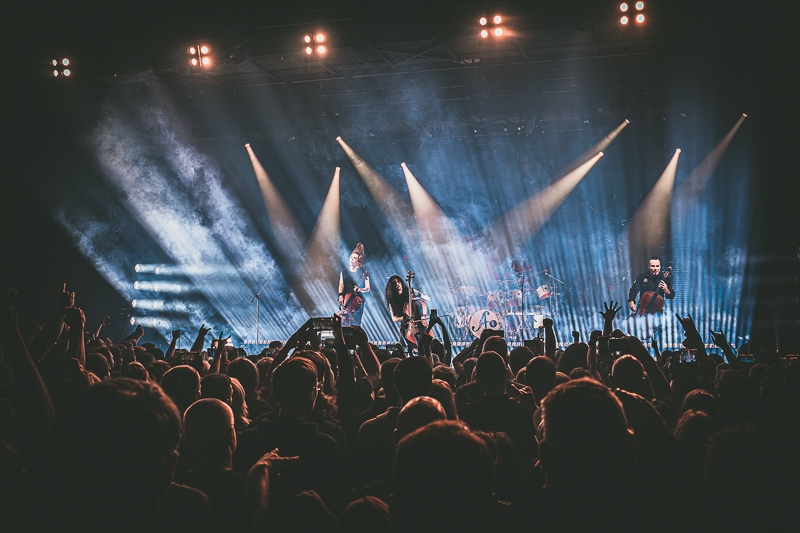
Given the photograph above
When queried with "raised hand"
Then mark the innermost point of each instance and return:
(576, 337)
(176, 334)
(203, 330)
(688, 325)
(425, 340)
(632, 306)
(66, 299)
(74, 317)
(609, 312)
(719, 339)
(360, 336)
(547, 322)
(336, 328)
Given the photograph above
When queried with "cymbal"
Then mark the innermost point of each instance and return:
(468, 290)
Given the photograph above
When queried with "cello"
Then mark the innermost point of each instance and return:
(415, 310)
(652, 302)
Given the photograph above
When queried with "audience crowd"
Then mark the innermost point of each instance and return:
(603, 435)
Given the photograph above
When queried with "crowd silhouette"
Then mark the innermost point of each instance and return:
(603, 435)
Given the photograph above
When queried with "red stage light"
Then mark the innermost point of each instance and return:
(498, 19)
(320, 38)
(309, 50)
(204, 49)
(639, 6)
(206, 61)
(307, 38)
(640, 18)
(192, 50)
(321, 49)
(194, 61)
(484, 34)
(482, 21)
(498, 31)
(623, 20)
(623, 7)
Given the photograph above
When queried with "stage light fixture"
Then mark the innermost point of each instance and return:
(491, 25)
(134, 303)
(200, 55)
(60, 67)
(136, 285)
(138, 268)
(638, 17)
(133, 320)
(315, 49)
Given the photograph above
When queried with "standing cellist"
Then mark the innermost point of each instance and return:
(649, 287)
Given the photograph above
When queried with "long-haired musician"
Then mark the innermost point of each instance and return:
(353, 283)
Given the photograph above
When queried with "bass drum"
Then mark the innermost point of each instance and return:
(484, 319)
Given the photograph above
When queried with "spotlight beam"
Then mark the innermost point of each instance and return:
(693, 186)
(318, 281)
(442, 245)
(288, 234)
(393, 205)
(518, 225)
(651, 219)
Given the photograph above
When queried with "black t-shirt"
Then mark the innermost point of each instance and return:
(224, 491)
(351, 280)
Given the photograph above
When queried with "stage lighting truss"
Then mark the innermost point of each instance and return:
(62, 68)
(315, 46)
(200, 57)
(631, 13)
(491, 27)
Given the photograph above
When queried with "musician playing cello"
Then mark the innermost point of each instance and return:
(353, 282)
(653, 282)
(410, 319)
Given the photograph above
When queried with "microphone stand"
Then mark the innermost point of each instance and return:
(556, 301)
(255, 298)
(522, 287)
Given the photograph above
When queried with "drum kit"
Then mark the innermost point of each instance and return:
(502, 308)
